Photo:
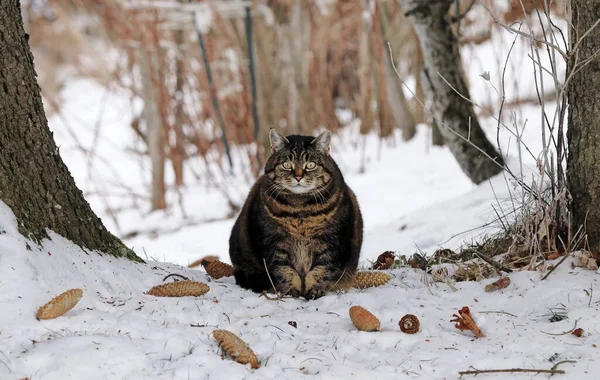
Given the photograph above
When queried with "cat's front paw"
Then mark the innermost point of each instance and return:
(314, 293)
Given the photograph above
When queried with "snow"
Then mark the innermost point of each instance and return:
(118, 332)
(413, 197)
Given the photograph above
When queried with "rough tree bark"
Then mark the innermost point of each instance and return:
(583, 133)
(444, 72)
(34, 181)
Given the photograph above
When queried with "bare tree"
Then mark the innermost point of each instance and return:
(583, 162)
(34, 181)
(446, 87)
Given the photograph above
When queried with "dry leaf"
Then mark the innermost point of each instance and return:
(236, 348)
(384, 261)
(363, 319)
(577, 332)
(585, 260)
(553, 255)
(180, 289)
(464, 321)
(60, 304)
(369, 279)
(497, 285)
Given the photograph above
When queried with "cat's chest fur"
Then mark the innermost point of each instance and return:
(303, 228)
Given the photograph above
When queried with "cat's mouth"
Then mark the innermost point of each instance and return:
(299, 188)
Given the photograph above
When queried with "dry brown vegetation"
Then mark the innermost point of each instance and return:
(310, 60)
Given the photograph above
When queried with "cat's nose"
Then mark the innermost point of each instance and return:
(298, 178)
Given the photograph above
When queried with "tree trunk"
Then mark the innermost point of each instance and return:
(396, 101)
(34, 181)
(178, 152)
(154, 129)
(476, 156)
(364, 73)
(583, 133)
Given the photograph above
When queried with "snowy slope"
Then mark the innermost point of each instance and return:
(118, 332)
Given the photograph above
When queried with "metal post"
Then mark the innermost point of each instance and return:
(213, 93)
(251, 68)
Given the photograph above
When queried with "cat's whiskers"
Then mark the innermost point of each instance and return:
(318, 197)
(320, 194)
(273, 188)
(314, 194)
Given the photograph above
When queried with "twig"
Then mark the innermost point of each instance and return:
(562, 362)
(339, 279)
(562, 333)
(492, 262)
(460, 16)
(439, 120)
(556, 266)
(269, 275)
(522, 370)
(175, 275)
(278, 295)
(497, 312)
(516, 31)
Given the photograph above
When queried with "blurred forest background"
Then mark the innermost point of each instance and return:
(205, 80)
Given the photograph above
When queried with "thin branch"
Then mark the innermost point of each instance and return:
(440, 121)
(517, 31)
(511, 370)
(496, 312)
(562, 333)
(493, 262)
(460, 16)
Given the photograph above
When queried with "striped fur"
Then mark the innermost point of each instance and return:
(300, 221)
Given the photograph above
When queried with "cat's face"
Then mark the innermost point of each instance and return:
(299, 164)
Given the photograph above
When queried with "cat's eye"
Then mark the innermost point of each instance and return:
(287, 165)
(311, 166)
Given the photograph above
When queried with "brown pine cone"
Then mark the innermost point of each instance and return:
(180, 289)
(236, 348)
(369, 279)
(409, 324)
(60, 304)
(217, 269)
(363, 319)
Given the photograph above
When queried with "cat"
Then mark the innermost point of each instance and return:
(300, 229)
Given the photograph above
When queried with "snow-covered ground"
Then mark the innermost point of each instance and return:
(118, 332)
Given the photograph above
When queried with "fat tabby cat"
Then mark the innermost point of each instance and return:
(300, 222)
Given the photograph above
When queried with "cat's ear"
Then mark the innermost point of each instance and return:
(277, 140)
(322, 142)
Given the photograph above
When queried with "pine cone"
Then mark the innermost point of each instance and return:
(217, 269)
(60, 304)
(409, 324)
(369, 279)
(363, 319)
(200, 261)
(236, 348)
(179, 289)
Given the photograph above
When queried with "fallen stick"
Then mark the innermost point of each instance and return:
(522, 370)
(493, 262)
